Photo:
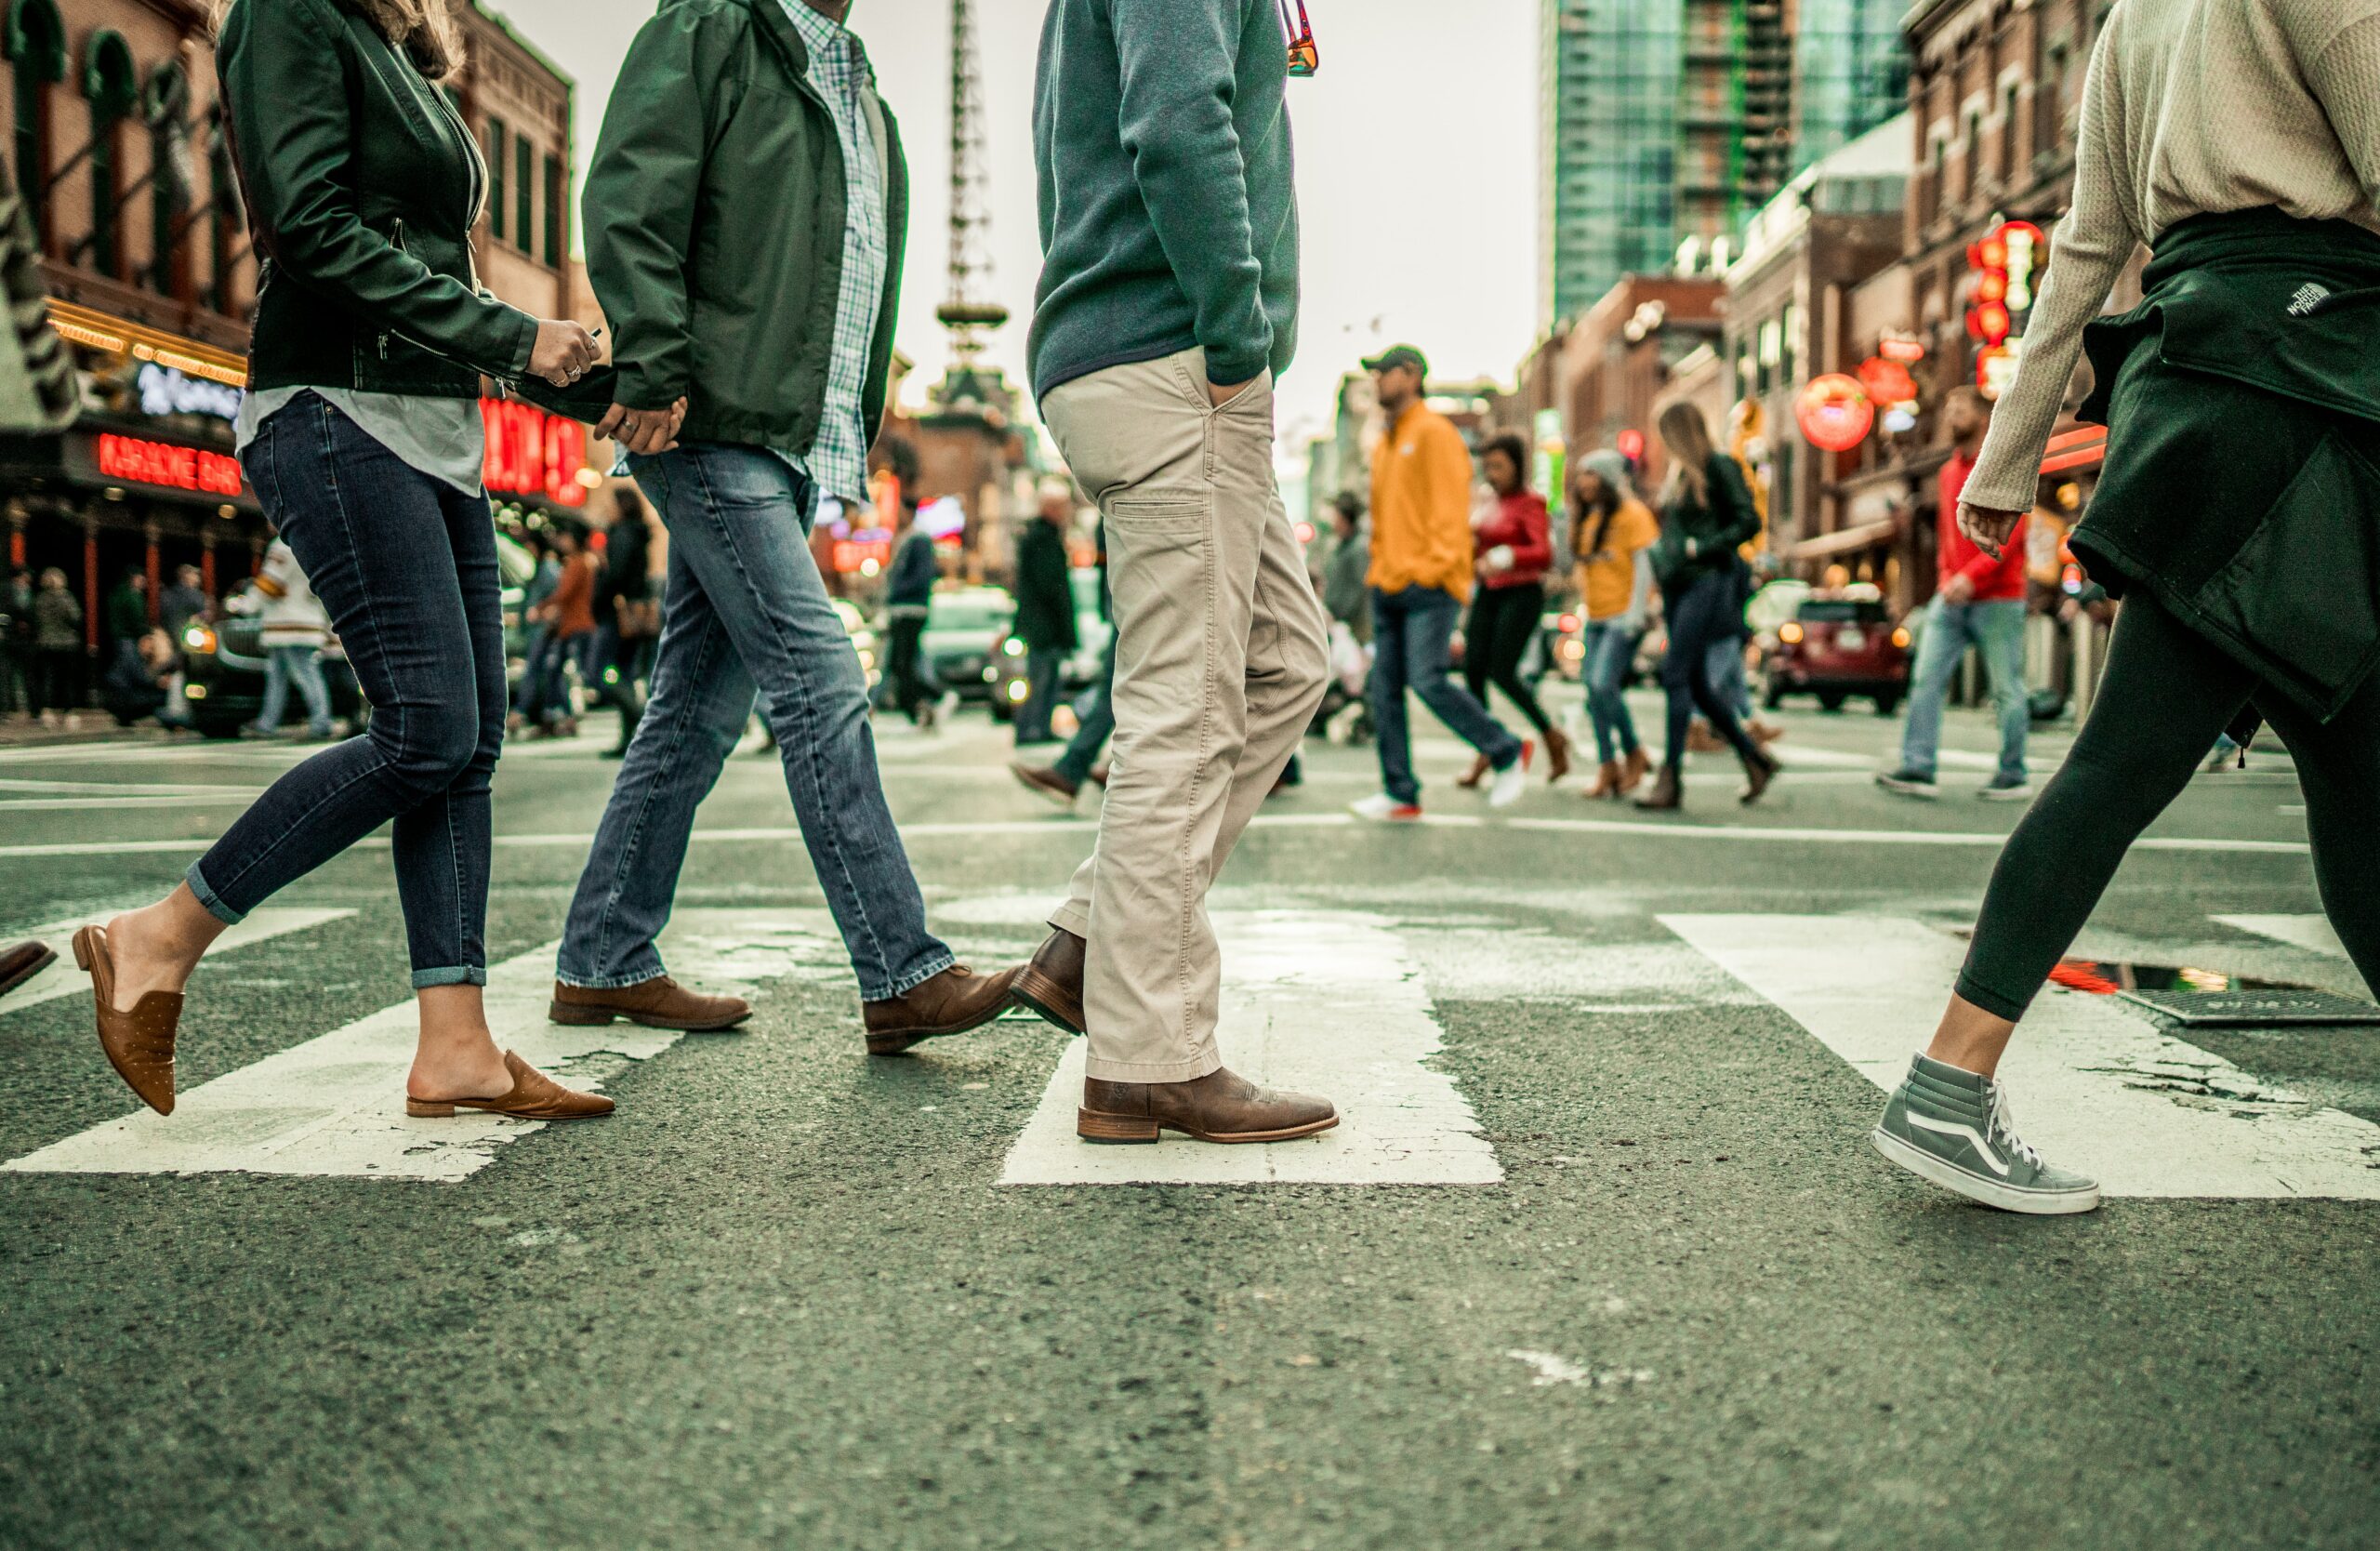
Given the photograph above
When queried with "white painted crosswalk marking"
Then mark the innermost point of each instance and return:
(1318, 1001)
(335, 1106)
(2315, 934)
(63, 979)
(2096, 1088)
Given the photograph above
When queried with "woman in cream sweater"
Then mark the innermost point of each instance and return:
(2239, 516)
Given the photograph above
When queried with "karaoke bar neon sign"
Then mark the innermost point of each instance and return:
(143, 462)
(532, 452)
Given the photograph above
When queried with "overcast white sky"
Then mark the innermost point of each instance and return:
(1417, 151)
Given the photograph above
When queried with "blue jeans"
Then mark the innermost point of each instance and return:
(302, 665)
(1098, 724)
(1998, 630)
(1044, 667)
(1611, 647)
(406, 565)
(1412, 636)
(745, 610)
(1704, 612)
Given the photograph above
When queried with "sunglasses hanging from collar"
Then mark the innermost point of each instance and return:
(1304, 59)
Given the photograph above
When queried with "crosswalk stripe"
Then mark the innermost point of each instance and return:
(1318, 1001)
(334, 1105)
(63, 979)
(2314, 933)
(2096, 1087)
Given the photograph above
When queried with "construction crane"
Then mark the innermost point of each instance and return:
(968, 312)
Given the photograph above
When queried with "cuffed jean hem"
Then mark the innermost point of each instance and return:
(1992, 1001)
(940, 964)
(611, 983)
(1209, 1060)
(208, 897)
(1068, 918)
(454, 974)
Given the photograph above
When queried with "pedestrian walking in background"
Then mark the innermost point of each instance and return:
(568, 615)
(1421, 575)
(1045, 610)
(746, 154)
(19, 666)
(1979, 601)
(528, 706)
(1706, 513)
(361, 434)
(1166, 309)
(1613, 535)
(628, 615)
(1078, 764)
(293, 627)
(58, 647)
(2238, 138)
(186, 600)
(1512, 552)
(908, 606)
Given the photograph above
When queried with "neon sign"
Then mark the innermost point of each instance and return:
(2006, 263)
(532, 452)
(1835, 412)
(130, 458)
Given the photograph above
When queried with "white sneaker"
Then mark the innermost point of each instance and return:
(1381, 808)
(1513, 779)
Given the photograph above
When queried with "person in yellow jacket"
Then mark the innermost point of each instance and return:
(1420, 577)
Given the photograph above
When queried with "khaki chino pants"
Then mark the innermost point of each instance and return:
(1221, 654)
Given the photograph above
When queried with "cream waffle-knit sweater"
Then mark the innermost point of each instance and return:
(2191, 107)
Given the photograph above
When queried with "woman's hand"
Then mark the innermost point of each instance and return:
(1987, 528)
(643, 431)
(1497, 561)
(562, 352)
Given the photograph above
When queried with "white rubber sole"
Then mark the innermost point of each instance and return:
(1909, 788)
(2005, 794)
(2031, 1203)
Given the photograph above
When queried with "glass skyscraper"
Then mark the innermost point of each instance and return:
(1608, 134)
(1851, 72)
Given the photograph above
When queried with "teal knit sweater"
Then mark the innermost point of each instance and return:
(1167, 205)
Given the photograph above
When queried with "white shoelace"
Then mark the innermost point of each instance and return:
(2003, 1128)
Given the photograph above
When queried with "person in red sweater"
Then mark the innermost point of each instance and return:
(1978, 602)
(1514, 550)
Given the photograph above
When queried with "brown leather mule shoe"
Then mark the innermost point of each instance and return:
(534, 1096)
(1051, 984)
(1220, 1106)
(21, 962)
(659, 1002)
(952, 1003)
(139, 1044)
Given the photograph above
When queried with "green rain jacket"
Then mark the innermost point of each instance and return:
(714, 217)
(2242, 483)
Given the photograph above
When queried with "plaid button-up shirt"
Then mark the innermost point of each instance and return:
(839, 73)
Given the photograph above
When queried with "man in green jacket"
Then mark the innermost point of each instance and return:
(745, 217)
(1168, 302)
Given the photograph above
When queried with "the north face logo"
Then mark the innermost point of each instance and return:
(2309, 297)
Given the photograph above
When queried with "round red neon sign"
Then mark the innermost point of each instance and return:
(1835, 412)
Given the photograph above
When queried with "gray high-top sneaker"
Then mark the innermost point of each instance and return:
(1953, 1127)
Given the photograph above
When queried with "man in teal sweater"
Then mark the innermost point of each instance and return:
(1168, 302)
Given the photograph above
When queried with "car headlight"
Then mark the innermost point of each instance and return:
(1901, 638)
(198, 638)
(1018, 690)
(1791, 633)
(194, 692)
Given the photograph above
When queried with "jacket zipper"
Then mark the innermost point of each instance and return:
(397, 240)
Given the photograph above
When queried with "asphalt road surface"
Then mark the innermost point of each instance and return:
(1602, 1256)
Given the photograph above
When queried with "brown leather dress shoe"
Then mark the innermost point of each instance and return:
(534, 1096)
(659, 1002)
(1220, 1106)
(21, 962)
(952, 1003)
(1051, 984)
(1044, 781)
(139, 1044)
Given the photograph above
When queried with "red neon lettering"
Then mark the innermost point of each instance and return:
(129, 457)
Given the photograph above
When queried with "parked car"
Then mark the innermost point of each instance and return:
(962, 625)
(223, 669)
(1836, 647)
(1004, 675)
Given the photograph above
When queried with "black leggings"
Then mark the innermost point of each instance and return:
(1700, 612)
(2166, 695)
(1502, 620)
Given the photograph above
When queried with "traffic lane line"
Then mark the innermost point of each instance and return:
(1061, 824)
(334, 1105)
(63, 979)
(2097, 1088)
(1319, 1001)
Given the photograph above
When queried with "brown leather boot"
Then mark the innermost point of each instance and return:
(1607, 781)
(1759, 771)
(1557, 755)
(952, 1003)
(1219, 1106)
(1469, 780)
(1668, 792)
(1634, 769)
(1051, 984)
(659, 1002)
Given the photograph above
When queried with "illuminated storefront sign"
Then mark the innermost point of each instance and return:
(141, 462)
(1835, 412)
(170, 390)
(532, 452)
